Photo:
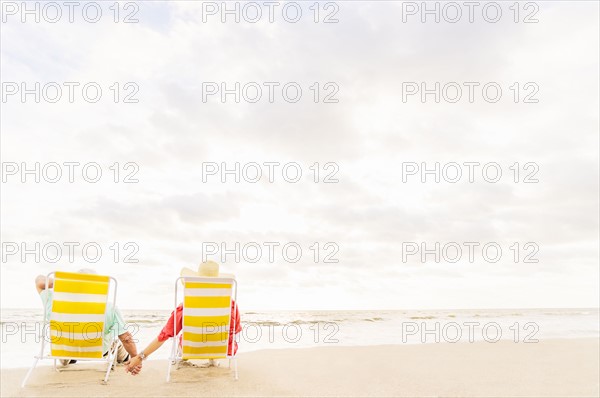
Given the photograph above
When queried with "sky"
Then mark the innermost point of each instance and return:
(369, 215)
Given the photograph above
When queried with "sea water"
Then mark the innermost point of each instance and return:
(301, 329)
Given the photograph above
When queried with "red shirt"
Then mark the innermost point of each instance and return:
(167, 330)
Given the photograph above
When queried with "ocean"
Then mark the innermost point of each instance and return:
(21, 329)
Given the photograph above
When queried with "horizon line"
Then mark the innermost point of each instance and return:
(357, 309)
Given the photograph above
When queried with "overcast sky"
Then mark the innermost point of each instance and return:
(367, 136)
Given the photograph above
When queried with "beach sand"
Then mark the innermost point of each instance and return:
(558, 368)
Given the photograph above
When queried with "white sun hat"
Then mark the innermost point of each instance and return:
(208, 269)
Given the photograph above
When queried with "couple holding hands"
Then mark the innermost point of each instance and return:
(127, 352)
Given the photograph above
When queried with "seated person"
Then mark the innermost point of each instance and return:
(206, 269)
(113, 324)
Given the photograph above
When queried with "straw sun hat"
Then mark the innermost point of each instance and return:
(208, 269)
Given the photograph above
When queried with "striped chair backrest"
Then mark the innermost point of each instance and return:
(206, 318)
(77, 318)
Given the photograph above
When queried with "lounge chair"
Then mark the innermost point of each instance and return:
(76, 324)
(206, 320)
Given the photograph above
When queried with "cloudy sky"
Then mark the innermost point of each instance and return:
(371, 216)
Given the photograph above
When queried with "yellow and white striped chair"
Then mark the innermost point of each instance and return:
(206, 320)
(76, 325)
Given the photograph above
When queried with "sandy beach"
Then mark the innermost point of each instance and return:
(551, 368)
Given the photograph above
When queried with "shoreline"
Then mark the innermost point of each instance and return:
(556, 367)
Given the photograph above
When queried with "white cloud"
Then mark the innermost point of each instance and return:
(369, 133)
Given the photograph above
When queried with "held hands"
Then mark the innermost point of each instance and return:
(134, 366)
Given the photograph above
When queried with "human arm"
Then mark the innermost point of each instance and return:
(164, 335)
(235, 325)
(137, 360)
(40, 283)
(128, 343)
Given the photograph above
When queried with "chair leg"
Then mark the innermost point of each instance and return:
(235, 371)
(35, 361)
(173, 358)
(169, 371)
(112, 360)
(107, 372)
(229, 364)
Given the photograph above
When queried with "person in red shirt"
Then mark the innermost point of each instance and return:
(206, 269)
